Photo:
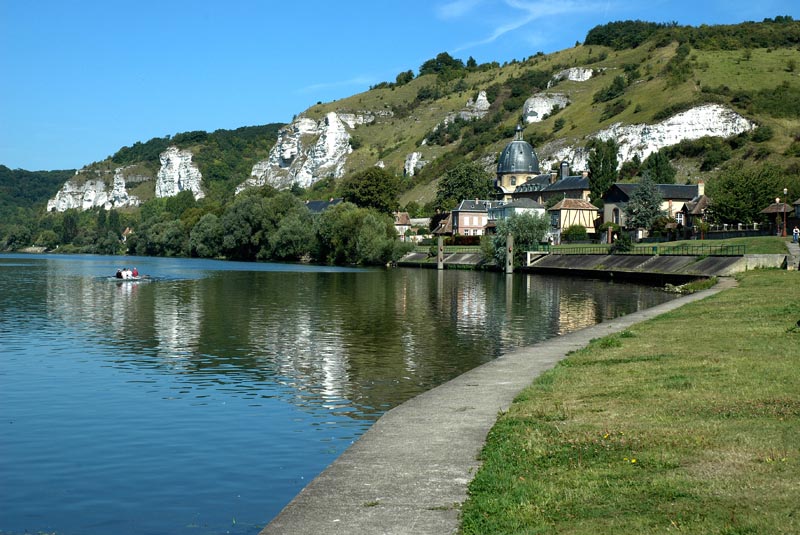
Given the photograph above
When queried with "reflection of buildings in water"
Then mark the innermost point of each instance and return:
(177, 317)
(306, 356)
(575, 313)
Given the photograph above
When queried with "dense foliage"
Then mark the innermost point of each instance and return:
(602, 167)
(28, 189)
(373, 187)
(644, 205)
(529, 231)
(782, 31)
(465, 181)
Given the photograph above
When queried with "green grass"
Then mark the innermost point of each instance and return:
(687, 423)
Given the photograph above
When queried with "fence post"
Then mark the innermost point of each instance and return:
(440, 253)
(510, 253)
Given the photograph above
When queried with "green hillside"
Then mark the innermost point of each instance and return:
(752, 68)
(644, 73)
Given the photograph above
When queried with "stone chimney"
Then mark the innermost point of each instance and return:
(564, 170)
(701, 188)
(553, 177)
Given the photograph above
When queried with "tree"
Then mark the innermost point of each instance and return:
(658, 166)
(69, 226)
(528, 230)
(602, 167)
(644, 205)
(404, 77)
(352, 235)
(466, 181)
(740, 193)
(294, 238)
(372, 188)
(205, 239)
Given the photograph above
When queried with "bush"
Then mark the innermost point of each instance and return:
(574, 233)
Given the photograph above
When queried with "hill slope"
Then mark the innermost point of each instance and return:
(625, 73)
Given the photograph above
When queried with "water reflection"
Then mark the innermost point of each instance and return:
(373, 338)
(228, 386)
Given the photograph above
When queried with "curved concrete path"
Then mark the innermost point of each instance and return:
(409, 472)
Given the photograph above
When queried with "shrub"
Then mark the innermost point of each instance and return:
(574, 233)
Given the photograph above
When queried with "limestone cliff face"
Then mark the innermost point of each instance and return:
(89, 189)
(413, 163)
(178, 173)
(305, 152)
(540, 105)
(644, 139)
(92, 188)
(575, 74)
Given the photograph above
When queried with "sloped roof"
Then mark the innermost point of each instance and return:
(523, 202)
(667, 191)
(320, 206)
(777, 208)
(570, 183)
(536, 183)
(445, 225)
(401, 218)
(697, 205)
(574, 204)
(476, 205)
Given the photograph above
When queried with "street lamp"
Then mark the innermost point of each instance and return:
(785, 192)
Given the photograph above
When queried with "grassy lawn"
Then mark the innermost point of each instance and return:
(687, 423)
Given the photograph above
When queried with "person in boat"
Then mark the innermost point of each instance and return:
(119, 274)
(135, 272)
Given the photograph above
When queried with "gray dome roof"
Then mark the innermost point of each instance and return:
(518, 157)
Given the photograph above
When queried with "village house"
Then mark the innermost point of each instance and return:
(570, 212)
(470, 217)
(674, 198)
(402, 224)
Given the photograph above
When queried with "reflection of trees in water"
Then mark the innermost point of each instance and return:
(358, 342)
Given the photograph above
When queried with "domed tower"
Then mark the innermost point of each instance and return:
(517, 163)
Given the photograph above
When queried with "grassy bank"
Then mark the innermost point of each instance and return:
(688, 423)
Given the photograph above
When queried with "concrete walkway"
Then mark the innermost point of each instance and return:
(793, 262)
(408, 474)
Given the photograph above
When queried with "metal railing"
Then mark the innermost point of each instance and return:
(673, 250)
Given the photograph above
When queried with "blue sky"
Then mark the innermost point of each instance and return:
(82, 78)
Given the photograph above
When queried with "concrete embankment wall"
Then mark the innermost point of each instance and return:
(640, 266)
(653, 268)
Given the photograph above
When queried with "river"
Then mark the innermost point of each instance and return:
(204, 397)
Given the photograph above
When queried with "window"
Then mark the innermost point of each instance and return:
(679, 218)
(513, 181)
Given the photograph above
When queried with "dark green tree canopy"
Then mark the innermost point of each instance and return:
(372, 188)
(644, 205)
(528, 230)
(659, 168)
(465, 181)
(602, 167)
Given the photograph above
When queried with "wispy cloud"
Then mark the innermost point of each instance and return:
(360, 81)
(456, 8)
(532, 11)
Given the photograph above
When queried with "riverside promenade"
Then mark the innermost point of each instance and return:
(408, 474)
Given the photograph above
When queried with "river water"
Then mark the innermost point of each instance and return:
(202, 399)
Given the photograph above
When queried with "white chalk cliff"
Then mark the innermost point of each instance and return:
(178, 173)
(90, 187)
(644, 139)
(89, 190)
(575, 74)
(305, 152)
(413, 163)
(540, 105)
